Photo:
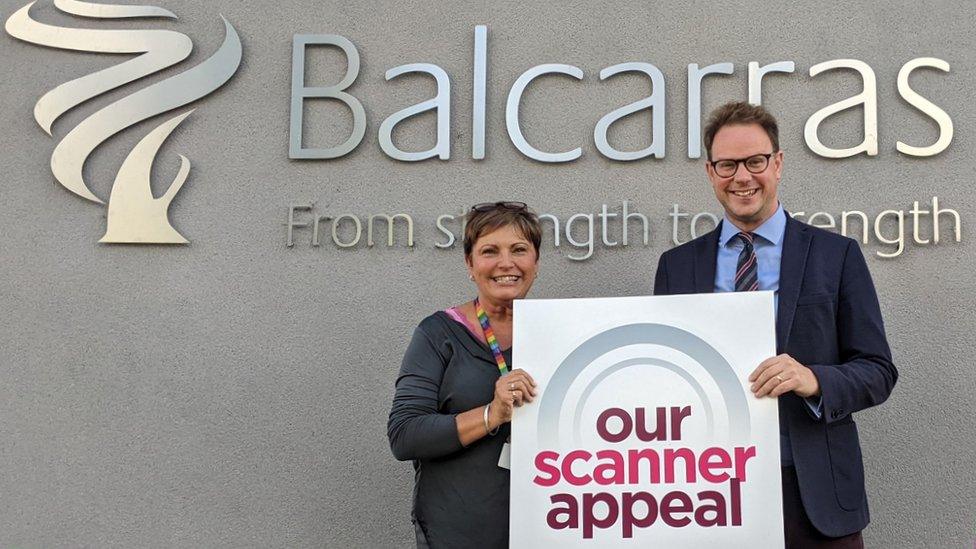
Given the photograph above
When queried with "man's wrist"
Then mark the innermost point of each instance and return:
(812, 385)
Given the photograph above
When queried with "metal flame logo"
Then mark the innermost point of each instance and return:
(135, 216)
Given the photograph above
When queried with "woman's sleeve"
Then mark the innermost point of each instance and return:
(416, 430)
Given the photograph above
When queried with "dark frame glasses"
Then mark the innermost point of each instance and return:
(492, 206)
(755, 164)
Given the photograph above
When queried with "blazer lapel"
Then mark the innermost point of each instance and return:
(706, 253)
(796, 245)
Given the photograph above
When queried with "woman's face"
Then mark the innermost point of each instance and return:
(503, 264)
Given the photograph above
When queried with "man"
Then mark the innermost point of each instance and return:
(833, 358)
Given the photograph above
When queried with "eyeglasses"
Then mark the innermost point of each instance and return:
(756, 163)
(492, 206)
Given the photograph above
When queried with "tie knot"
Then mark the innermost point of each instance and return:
(746, 238)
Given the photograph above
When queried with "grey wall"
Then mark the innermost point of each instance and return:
(234, 392)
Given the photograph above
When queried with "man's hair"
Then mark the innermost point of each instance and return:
(479, 223)
(740, 114)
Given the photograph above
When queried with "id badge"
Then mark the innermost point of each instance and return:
(505, 457)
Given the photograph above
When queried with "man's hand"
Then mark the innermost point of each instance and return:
(781, 374)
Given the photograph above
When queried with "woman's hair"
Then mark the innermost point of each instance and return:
(482, 220)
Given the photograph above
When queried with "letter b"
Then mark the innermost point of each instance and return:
(300, 92)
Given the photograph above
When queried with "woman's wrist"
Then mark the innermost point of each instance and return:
(495, 418)
(491, 426)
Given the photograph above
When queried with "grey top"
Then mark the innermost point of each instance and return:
(460, 494)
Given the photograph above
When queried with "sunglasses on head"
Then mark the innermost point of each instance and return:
(492, 206)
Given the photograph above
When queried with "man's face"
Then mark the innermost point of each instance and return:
(749, 198)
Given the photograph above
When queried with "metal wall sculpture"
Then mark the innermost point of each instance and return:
(135, 216)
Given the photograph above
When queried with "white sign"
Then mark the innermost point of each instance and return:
(645, 430)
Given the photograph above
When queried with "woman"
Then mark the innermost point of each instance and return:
(455, 396)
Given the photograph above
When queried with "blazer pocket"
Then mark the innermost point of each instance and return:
(814, 299)
(846, 465)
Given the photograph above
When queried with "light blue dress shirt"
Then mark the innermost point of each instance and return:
(768, 244)
(769, 251)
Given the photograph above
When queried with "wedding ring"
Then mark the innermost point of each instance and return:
(779, 378)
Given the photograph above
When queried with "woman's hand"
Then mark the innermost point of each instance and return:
(511, 391)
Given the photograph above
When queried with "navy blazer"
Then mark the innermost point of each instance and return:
(828, 319)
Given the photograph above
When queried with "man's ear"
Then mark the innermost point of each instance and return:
(710, 171)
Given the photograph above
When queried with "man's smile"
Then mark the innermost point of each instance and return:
(745, 193)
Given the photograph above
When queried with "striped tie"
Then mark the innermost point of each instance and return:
(746, 273)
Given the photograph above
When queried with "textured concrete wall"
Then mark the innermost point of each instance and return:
(234, 392)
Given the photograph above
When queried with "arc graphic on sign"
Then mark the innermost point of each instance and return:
(643, 362)
(553, 400)
(135, 216)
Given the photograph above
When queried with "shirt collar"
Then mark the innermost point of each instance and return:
(772, 230)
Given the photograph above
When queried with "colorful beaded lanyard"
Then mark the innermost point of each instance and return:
(490, 336)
